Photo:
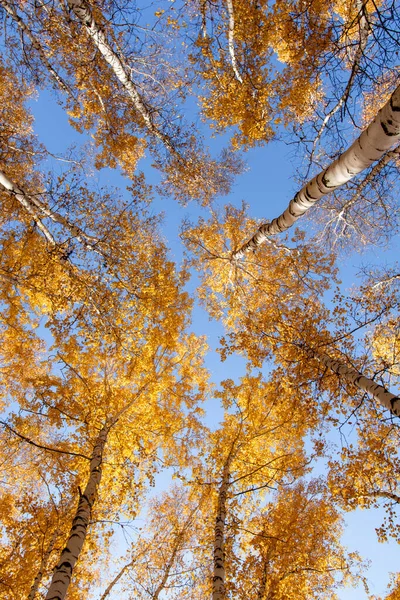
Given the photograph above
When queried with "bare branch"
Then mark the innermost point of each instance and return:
(42, 446)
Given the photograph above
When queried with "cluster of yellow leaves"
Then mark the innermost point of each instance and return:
(286, 563)
(269, 303)
(386, 345)
(367, 473)
(16, 140)
(297, 34)
(97, 104)
(120, 355)
(117, 319)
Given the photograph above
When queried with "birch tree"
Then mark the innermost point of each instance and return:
(254, 451)
(364, 472)
(134, 106)
(302, 65)
(388, 400)
(161, 559)
(70, 554)
(378, 138)
(282, 561)
(140, 409)
(138, 354)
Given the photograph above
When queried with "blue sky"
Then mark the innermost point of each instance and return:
(266, 186)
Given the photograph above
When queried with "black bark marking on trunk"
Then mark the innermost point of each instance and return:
(393, 107)
(386, 130)
(393, 401)
(325, 182)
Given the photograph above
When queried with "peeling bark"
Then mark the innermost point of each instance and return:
(370, 146)
(381, 394)
(69, 556)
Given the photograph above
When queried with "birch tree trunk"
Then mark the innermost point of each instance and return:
(27, 205)
(382, 395)
(231, 40)
(10, 10)
(378, 138)
(116, 579)
(82, 11)
(43, 565)
(218, 588)
(32, 205)
(69, 556)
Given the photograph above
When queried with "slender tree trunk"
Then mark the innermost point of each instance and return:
(218, 588)
(169, 565)
(20, 196)
(263, 582)
(382, 395)
(33, 205)
(177, 546)
(380, 136)
(231, 40)
(82, 11)
(10, 10)
(116, 579)
(43, 565)
(69, 556)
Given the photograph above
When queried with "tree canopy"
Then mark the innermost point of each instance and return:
(129, 467)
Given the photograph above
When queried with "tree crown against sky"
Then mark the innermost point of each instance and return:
(105, 389)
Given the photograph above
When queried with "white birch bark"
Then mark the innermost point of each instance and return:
(69, 556)
(33, 204)
(382, 395)
(218, 582)
(43, 565)
(231, 40)
(22, 199)
(82, 11)
(384, 161)
(370, 146)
